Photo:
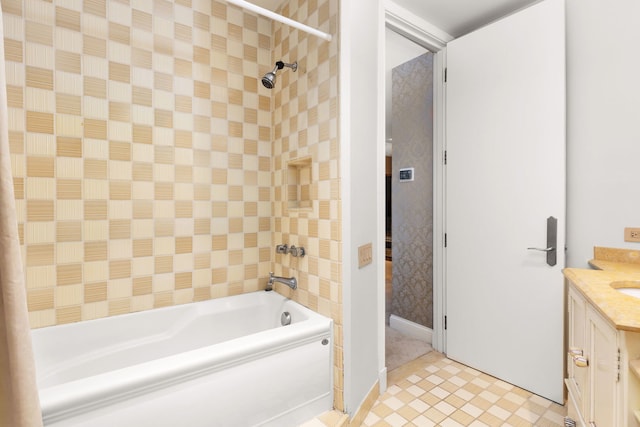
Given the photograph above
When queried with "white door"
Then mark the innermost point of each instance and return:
(505, 174)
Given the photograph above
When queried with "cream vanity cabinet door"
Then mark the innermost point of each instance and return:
(604, 369)
(630, 377)
(577, 363)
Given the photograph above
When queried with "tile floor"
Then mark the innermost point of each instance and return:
(435, 391)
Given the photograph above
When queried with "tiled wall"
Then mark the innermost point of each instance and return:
(305, 125)
(150, 163)
(141, 153)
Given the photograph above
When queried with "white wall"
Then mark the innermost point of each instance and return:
(603, 125)
(603, 112)
(361, 157)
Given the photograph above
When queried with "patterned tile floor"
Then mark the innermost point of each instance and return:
(435, 391)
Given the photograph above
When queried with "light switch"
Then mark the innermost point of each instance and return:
(365, 255)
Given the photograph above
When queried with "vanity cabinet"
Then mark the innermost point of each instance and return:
(602, 381)
(577, 380)
(604, 369)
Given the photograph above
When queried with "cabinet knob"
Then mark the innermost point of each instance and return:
(580, 361)
(575, 351)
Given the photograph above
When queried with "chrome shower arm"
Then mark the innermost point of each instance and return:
(280, 65)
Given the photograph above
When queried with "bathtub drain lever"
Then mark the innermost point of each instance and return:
(285, 318)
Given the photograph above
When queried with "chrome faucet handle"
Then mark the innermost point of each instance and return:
(297, 252)
(282, 249)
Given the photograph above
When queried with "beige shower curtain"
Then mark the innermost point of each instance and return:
(19, 404)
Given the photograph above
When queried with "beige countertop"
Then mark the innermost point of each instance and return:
(613, 265)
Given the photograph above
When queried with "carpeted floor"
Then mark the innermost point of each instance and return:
(401, 349)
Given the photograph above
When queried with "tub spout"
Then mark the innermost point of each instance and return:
(289, 281)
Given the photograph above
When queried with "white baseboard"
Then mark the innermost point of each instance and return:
(382, 380)
(412, 329)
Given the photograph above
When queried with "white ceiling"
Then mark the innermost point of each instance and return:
(459, 17)
(456, 17)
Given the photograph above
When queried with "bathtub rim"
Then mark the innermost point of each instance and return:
(180, 316)
(83, 395)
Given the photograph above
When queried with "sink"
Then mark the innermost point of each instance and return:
(632, 292)
(627, 288)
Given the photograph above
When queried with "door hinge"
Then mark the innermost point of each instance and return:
(445, 75)
(445, 240)
(618, 379)
(445, 157)
(445, 323)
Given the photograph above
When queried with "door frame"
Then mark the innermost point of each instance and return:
(430, 37)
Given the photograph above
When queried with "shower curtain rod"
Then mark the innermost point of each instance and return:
(283, 19)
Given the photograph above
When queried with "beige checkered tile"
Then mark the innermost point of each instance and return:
(436, 391)
(110, 160)
(134, 124)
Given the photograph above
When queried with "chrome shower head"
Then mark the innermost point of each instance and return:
(269, 79)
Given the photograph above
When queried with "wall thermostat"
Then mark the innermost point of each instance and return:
(406, 174)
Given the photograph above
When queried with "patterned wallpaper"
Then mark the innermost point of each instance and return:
(412, 209)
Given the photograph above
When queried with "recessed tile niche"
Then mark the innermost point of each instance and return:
(299, 183)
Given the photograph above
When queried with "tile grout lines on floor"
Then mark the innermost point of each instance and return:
(435, 391)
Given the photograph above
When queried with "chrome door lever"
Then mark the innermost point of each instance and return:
(552, 239)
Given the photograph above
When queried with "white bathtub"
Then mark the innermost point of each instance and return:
(222, 362)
